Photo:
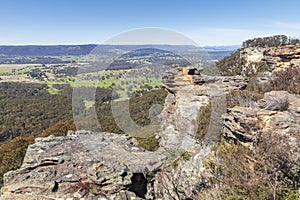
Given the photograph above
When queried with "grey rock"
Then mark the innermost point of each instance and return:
(92, 164)
(244, 124)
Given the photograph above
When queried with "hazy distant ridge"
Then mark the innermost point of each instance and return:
(61, 50)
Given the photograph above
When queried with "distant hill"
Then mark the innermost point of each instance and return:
(38, 50)
(221, 48)
(216, 52)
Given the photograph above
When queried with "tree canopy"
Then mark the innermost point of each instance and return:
(272, 41)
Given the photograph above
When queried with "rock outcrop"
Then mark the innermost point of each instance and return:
(188, 92)
(277, 113)
(275, 58)
(282, 57)
(82, 165)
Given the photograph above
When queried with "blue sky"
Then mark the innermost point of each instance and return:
(209, 22)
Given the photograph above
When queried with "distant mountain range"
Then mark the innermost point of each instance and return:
(62, 50)
(222, 48)
(38, 50)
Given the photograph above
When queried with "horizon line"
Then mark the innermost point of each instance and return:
(81, 44)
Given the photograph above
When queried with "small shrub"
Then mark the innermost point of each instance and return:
(288, 80)
(175, 156)
(204, 118)
(255, 68)
(149, 143)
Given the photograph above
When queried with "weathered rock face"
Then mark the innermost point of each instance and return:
(87, 165)
(284, 56)
(83, 165)
(253, 54)
(277, 113)
(187, 94)
(276, 58)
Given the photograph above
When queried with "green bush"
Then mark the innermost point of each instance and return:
(150, 143)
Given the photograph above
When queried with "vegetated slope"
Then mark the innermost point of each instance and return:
(27, 109)
(255, 159)
(259, 150)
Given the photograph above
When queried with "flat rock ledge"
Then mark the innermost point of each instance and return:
(83, 165)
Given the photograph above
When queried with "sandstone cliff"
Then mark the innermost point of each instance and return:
(274, 58)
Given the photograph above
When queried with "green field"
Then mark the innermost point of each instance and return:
(8, 69)
(122, 81)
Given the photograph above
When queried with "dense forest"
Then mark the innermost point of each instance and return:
(29, 109)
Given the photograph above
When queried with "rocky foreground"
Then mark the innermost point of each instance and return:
(88, 165)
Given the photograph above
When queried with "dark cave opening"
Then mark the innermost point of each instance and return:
(138, 185)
